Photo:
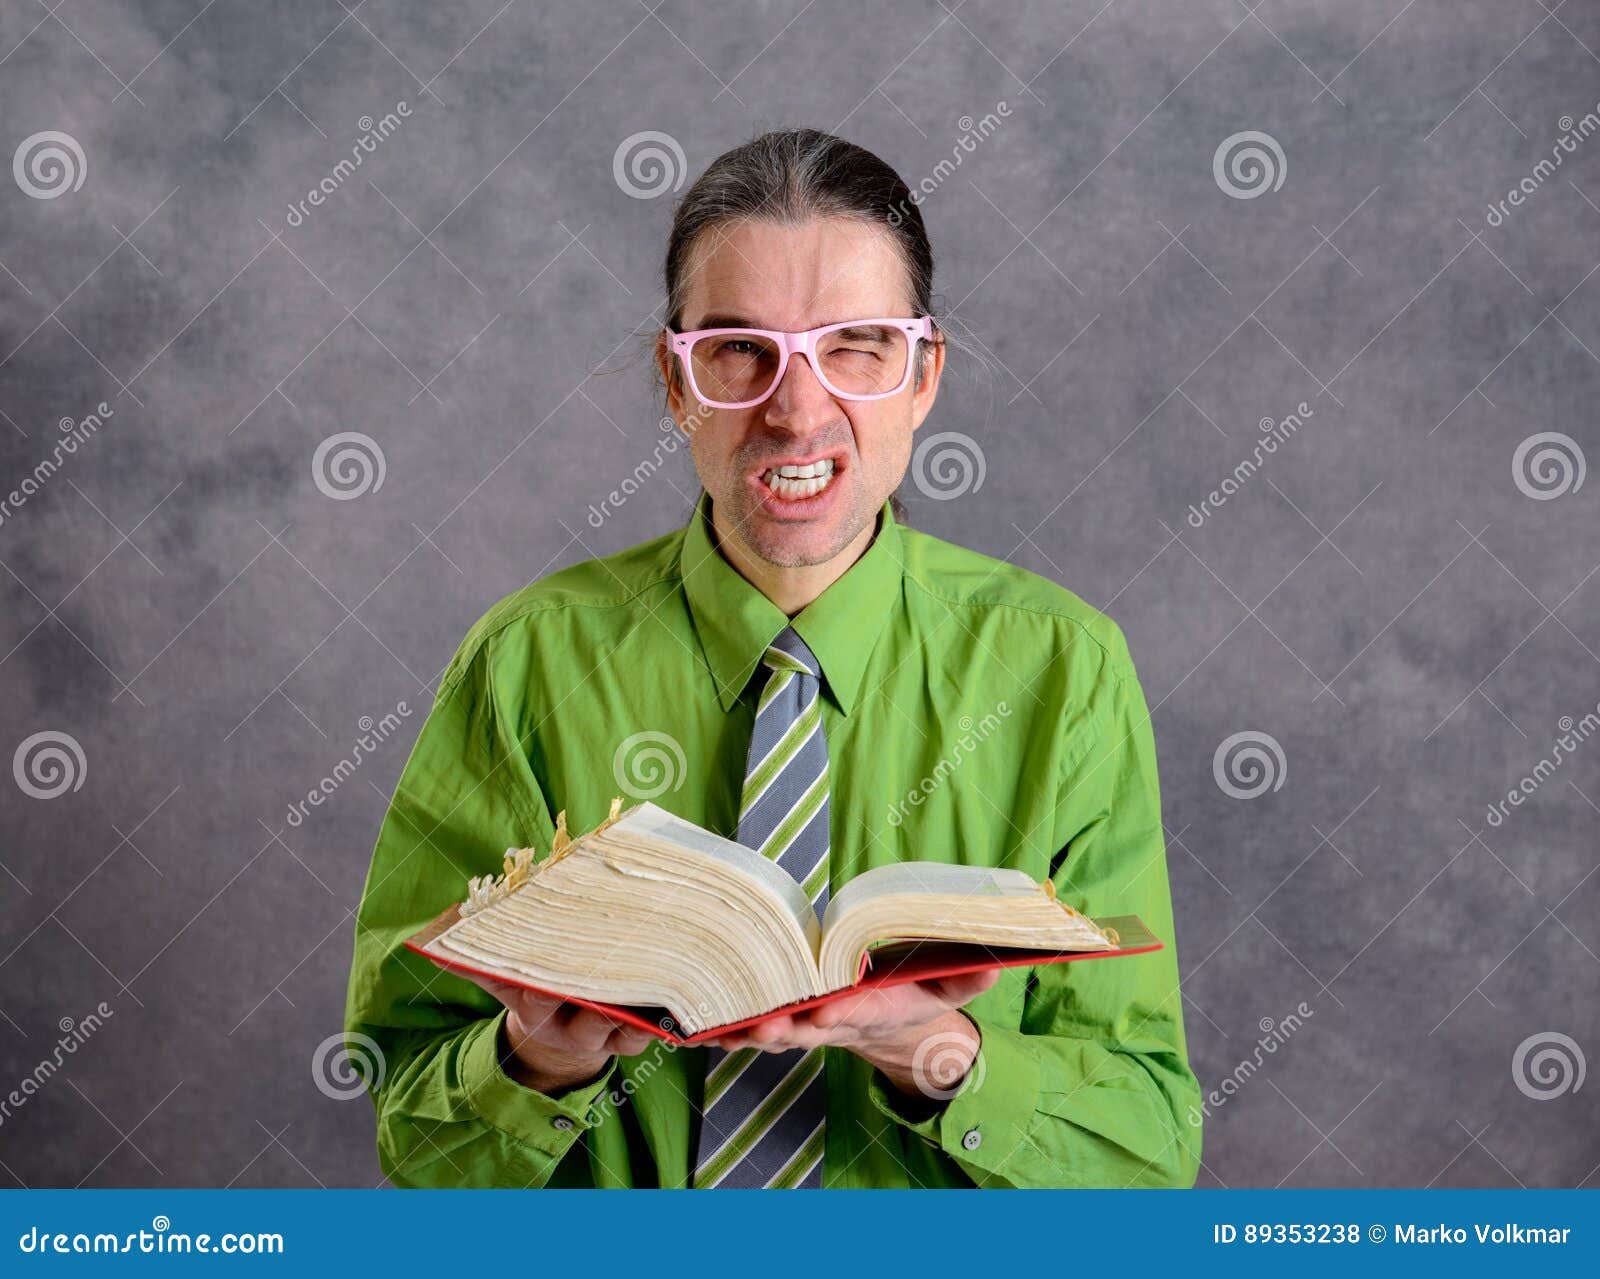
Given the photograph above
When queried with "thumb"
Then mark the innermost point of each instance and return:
(962, 987)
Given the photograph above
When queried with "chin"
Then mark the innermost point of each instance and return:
(798, 548)
(797, 543)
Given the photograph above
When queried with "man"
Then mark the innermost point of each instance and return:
(797, 669)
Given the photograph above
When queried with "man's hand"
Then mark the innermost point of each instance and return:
(913, 1033)
(555, 1045)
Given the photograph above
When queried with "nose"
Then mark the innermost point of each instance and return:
(800, 401)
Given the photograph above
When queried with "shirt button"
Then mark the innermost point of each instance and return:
(561, 1122)
(971, 1139)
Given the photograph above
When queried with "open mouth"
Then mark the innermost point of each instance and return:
(792, 482)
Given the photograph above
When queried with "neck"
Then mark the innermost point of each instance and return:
(791, 589)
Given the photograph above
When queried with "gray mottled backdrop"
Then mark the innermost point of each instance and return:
(333, 433)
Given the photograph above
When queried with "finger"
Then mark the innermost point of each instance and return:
(808, 1036)
(505, 992)
(834, 1013)
(959, 989)
(865, 1007)
(526, 1011)
(769, 1032)
(628, 1041)
(588, 1031)
(537, 1015)
(830, 1015)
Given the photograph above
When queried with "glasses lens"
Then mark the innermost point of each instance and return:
(863, 359)
(735, 367)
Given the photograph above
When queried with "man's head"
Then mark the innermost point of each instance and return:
(790, 232)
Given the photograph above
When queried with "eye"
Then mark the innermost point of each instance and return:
(870, 342)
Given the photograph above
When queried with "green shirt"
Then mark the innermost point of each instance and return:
(974, 713)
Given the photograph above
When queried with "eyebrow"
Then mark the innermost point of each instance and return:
(728, 322)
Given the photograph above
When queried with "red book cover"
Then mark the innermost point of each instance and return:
(889, 964)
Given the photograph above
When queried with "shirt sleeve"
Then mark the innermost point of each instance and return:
(1093, 1089)
(430, 1045)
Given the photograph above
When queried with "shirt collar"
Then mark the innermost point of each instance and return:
(736, 622)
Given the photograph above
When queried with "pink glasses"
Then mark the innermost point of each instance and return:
(854, 360)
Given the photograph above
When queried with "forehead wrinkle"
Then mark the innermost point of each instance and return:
(819, 264)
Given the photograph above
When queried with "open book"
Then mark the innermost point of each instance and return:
(666, 926)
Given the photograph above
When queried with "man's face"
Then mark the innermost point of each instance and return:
(758, 274)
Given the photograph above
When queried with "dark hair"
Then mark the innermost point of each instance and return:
(791, 176)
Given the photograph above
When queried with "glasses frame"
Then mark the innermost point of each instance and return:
(803, 343)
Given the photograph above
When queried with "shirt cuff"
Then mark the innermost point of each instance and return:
(548, 1124)
(984, 1120)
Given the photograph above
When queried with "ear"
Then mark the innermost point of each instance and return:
(672, 376)
(926, 389)
(687, 412)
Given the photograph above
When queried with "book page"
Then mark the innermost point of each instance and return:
(650, 910)
(649, 819)
(928, 877)
(977, 905)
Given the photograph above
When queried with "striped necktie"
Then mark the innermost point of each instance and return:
(762, 1121)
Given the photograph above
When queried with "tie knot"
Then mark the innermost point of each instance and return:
(788, 652)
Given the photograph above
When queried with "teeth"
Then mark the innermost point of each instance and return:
(793, 482)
